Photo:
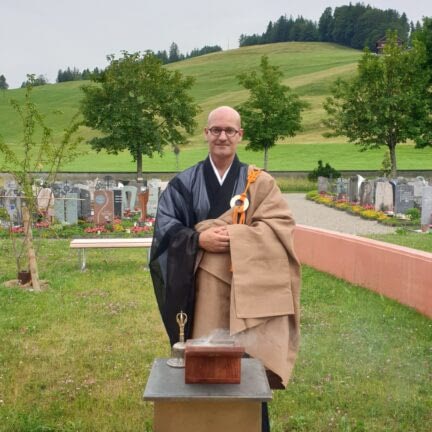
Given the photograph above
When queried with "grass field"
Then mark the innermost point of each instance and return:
(409, 239)
(290, 157)
(309, 69)
(77, 357)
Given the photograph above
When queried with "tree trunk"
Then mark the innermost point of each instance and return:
(265, 158)
(392, 149)
(139, 166)
(30, 249)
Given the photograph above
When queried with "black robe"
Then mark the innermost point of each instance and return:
(190, 197)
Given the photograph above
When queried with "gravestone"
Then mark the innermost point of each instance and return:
(426, 212)
(84, 206)
(91, 184)
(45, 201)
(323, 184)
(162, 186)
(2, 196)
(366, 193)
(143, 198)
(404, 197)
(418, 184)
(118, 202)
(66, 188)
(71, 208)
(103, 206)
(59, 210)
(383, 196)
(129, 194)
(109, 182)
(154, 188)
(13, 204)
(353, 190)
(342, 188)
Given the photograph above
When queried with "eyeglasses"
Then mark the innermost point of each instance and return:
(229, 131)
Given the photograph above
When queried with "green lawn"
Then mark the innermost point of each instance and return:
(309, 69)
(77, 357)
(289, 157)
(414, 240)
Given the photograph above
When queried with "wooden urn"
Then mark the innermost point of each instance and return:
(212, 363)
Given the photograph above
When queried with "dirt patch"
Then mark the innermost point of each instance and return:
(14, 283)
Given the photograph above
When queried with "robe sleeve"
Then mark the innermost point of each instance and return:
(172, 260)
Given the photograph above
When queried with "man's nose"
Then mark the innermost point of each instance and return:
(224, 136)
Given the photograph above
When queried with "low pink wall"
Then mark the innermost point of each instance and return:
(397, 272)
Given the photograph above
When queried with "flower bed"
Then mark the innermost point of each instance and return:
(366, 212)
(126, 228)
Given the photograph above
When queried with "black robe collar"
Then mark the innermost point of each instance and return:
(220, 195)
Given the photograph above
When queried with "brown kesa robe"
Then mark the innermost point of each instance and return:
(255, 290)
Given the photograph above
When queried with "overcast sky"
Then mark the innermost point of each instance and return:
(43, 36)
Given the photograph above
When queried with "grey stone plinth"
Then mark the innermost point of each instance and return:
(167, 383)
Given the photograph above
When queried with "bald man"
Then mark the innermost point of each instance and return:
(228, 263)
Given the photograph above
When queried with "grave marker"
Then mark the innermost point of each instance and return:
(404, 197)
(154, 188)
(383, 196)
(103, 206)
(426, 213)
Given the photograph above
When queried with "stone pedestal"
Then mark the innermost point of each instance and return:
(207, 407)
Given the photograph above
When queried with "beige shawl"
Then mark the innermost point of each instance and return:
(255, 290)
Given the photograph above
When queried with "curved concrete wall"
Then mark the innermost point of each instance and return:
(397, 272)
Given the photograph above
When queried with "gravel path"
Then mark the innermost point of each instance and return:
(318, 215)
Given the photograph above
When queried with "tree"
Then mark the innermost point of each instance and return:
(423, 35)
(3, 84)
(385, 104)
(325, 25)
(139, 106)
(37, 152)
(33, 81)
(271, 112)
(174, 53)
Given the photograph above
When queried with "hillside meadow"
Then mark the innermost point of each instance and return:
(308, 68)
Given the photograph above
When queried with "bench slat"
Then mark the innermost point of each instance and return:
(110, 243)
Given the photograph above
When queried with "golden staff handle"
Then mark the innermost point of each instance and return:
(181, 319)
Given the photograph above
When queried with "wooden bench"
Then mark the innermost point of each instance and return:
(91, 243)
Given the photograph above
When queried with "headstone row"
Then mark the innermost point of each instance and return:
(104, 200)
(398, 195)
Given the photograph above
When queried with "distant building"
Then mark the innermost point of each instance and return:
(380, 44)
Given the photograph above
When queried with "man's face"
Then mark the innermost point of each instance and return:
(223, 146)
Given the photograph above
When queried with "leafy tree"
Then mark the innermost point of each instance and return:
(174, 53)
(36, 152)
(423, 35)
(384, 105)
(325, 25)
(34, 81)
(3, 84)
(139, 106)
(272, 110)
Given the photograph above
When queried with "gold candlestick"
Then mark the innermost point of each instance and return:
(178, 349)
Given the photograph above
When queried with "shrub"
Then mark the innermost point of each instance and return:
(323, 171)
(414, 214)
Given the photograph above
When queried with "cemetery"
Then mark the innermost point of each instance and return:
(66, 209)
(399, 202)
(83, 344)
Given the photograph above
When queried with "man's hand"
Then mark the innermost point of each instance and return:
(215, 240)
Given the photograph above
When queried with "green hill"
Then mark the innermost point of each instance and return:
(308, 68)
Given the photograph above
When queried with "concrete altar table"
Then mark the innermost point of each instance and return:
(207, 407)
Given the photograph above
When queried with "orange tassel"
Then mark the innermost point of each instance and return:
(239, 213)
